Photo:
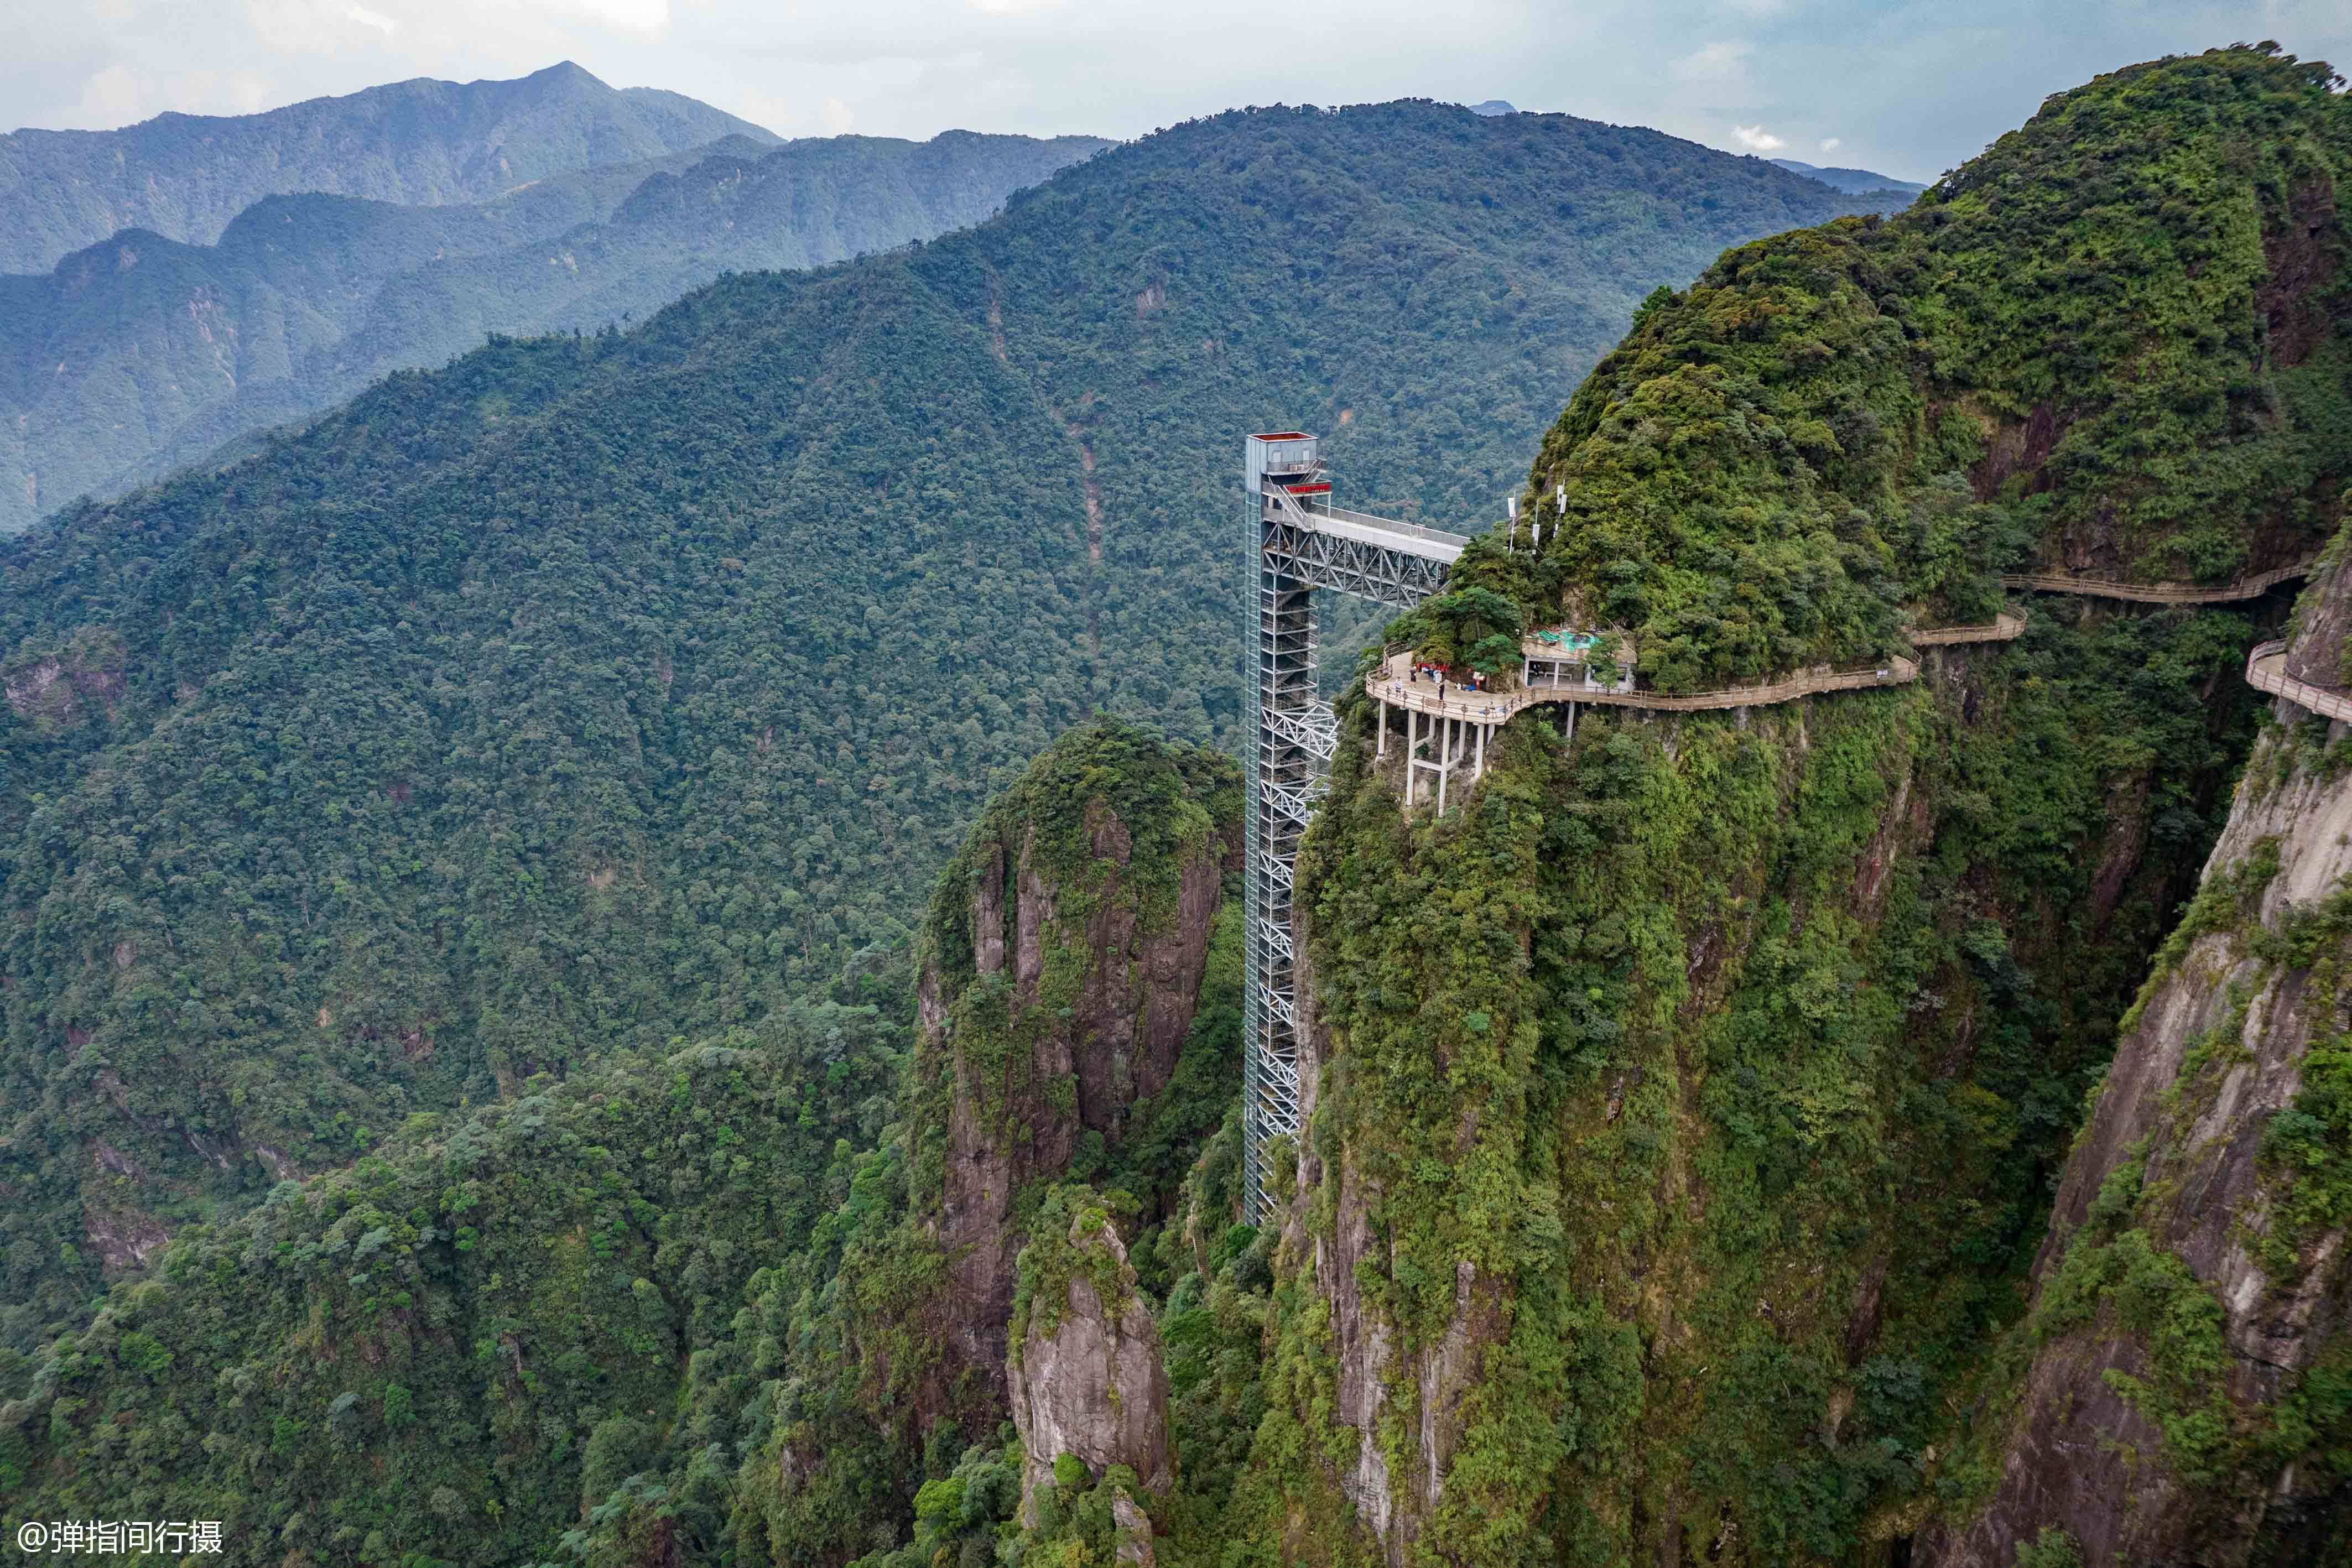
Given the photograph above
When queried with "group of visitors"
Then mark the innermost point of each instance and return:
(1441, 674)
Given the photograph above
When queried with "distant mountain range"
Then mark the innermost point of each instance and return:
(141, 353)
(1854, 182)
(422, 142)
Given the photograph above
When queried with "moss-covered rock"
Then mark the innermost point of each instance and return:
(2118, 344)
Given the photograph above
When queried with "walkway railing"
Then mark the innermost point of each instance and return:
(2252, 587)
(1390, 526)
(1391, 683)
(2267, 671)
(2006, 627)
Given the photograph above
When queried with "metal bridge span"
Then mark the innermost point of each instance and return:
(1298, 542)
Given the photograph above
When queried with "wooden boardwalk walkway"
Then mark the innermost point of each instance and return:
(1393, 683)
(1457, 723)
(2267, 671)
(2252, 587)
(2006, 627)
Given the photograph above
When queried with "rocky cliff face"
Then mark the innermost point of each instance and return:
(2177, 1393)
(1087, 1378)
(1063, 969)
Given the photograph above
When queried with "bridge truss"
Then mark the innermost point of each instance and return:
(1298, 543)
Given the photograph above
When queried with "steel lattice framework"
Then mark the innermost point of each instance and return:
(1298, 543)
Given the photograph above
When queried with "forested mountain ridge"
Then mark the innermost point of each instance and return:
(1697, 1088)
(2115, 335)
(1855, 181)
(593, 691)
(1683, 1106)
(139, 354)
(420, 143)
(602, 1321)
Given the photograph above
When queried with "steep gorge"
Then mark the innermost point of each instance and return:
(2181, 1391)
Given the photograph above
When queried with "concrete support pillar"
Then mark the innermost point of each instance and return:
(1478, 770)
(1381, 748)
(1446, 753)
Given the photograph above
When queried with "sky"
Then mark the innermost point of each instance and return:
(1906, 88)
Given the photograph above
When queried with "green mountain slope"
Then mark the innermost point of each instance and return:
(1684, 1102)
(418, 142)
(139, 354)
(2117, 333)
(495, 1316)
(590, 693)
(583, 1324)
(1697, 1089)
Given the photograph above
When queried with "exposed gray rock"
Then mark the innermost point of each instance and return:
(1087, 1378)
(1084, 1069)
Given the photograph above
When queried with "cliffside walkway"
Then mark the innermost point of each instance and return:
(2267, 671)
(2252, 587)
(1459, 720)
(2006, 627)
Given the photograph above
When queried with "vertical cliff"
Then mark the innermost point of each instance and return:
(1077, 1015)
(1088, 1382)
(2181, 1391)
(1685, 1100)
(1061, 969)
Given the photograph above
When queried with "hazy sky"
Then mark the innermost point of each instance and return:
(1904, 88)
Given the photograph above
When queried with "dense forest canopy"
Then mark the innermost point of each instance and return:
(597, 1322)
(548, 730)
(597, 691)
(2109, 346)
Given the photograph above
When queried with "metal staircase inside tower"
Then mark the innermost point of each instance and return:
(1298, 542)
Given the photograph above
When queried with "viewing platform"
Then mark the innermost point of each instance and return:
(1458, 720)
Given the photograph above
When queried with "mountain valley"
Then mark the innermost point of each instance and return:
(629, 951)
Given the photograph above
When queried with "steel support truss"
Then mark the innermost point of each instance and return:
(1296, 549)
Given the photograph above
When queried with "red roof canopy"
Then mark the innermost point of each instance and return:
(1284, 435)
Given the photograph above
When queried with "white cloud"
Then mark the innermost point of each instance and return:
(647, 16)
(110, 97)
(311, 26)
(1755, 139)
(1831, 143)
(835, 116)
(1717, 61)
